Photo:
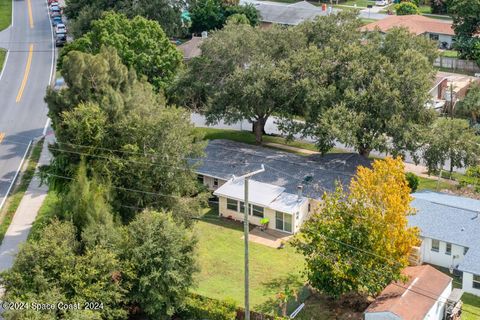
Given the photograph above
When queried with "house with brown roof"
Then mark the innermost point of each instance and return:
(424, 296)
(435, 29)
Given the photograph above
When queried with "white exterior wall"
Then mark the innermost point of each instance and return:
(438, 309)
(381, 316)
(267, 213)
(445, 38)
(208, 182)
(440, 258)
(467, 284)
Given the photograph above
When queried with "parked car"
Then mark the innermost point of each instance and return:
(55, 11)
(61, 28)
(60, 39)
(381, 3)
(57, 20)
(53, 4)
(52, 1)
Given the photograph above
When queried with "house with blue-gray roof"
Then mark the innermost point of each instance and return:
(285, 193)
(450, 231)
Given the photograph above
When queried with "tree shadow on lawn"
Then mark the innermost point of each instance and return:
(211, 216)
(295, 291)
(289, 289)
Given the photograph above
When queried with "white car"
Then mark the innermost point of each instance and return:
(60, 28)
(381, 3)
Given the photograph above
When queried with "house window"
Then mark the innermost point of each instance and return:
(448, 249)
(435, 245)
(200, 178)
(434, 37)
(476, 281)
(257, 211)
(242, 207)
(215, 182)
(232, 204)
(283, 221)
(465, 250)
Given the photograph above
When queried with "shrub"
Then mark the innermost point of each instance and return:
(200, 307)
(415, 2)
(406, 8)
(412, 180)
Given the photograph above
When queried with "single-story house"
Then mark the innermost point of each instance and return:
(450, 232)
(435, 29)
(289, 14)
(285, 193)
(423, 296)
(191, 48)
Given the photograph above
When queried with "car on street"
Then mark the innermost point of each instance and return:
(55, 11)
(60, 28)
(57, 20)
(382, 3)
(60, 39)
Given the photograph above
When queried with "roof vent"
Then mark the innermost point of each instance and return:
(299, 192)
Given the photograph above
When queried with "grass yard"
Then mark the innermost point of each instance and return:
(13, 201)
(221, 254)
(5, 13)
(431, 184)
(449, 53)
(425, 9)
(366, 21)
(3, 53)
(248, 137)
(359, 3)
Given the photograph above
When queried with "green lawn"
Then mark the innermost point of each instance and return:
(248, 137)
(45, 214)
(221, 254)
(431, 184)
(425, 9)
(5, 13)
(13, 201)
(3, 53)
(359, 3)
(449, 53)
(367, 21)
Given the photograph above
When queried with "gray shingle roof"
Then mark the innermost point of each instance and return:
(451, 219)
(288, 14)
(316, 174)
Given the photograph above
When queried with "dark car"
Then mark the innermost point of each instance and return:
(56, 20)
(60, 39)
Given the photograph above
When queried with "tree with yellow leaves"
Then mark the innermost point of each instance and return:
(359, 241)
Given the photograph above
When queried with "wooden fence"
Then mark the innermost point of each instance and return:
(457, 64)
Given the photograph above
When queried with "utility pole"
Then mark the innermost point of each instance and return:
(246, 209)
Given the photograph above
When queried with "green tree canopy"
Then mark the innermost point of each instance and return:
(470, 105)
(406, 8)
(139, 42)
(450, 140)
(359, 241)
(161, 255)
(466, 23)
(52, 269)
(81, 13)
(373, 93)
(243, 73)
(126, 135)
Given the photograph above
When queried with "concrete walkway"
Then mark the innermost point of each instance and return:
(21, 224)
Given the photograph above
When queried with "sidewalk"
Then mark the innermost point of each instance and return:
(19, 229)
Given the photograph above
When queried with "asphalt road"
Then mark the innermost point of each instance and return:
(24, 79)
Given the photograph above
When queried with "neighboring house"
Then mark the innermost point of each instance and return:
(434, 29)
(449, 88)
(423, 296)
(285, 193)
(292, 14)
(191, 48)
(450, 232)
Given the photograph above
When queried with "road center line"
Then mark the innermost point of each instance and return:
(30, 13)
(25, 75)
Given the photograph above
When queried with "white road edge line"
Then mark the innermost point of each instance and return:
(4, 64)
(16, 175)
(46, 127)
